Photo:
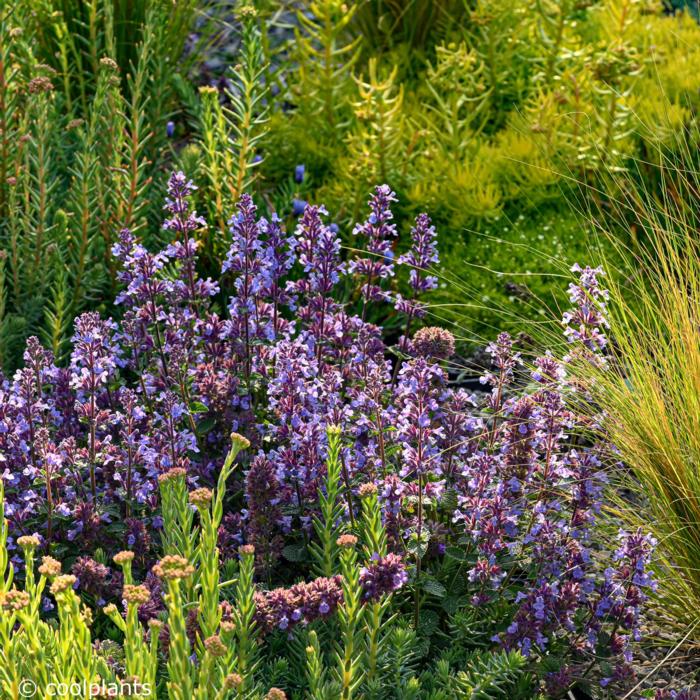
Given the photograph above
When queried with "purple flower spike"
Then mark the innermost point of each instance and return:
(378, 230)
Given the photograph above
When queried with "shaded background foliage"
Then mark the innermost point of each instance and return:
(493, 116)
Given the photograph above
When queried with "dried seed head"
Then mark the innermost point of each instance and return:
(173, 567)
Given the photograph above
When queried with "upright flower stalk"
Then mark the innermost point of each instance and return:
(374, 547)
(173, 570)
(244, 617)
(328, 524)
(350, 617)
(208, 563)
(177, 515)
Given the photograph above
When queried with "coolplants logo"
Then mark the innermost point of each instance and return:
(28, 689)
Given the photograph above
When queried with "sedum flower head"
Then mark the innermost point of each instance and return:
(228, 627)
(15, 600)
(137, 595)
(63, 583)
(346, 541)
(108, 62)
(201, 498)
(28, 542)
(121, 558)
(172, 474)
(367, 489)
(276, 694)
(50, 567)
(215, 646)
(233, 681)
(173, 567)
(240, 441)
(39, 84)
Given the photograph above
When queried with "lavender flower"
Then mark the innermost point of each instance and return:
(379, 231)
(421, 257)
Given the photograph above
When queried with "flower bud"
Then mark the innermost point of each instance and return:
(173, 567)
(50, 567)
(346, 541)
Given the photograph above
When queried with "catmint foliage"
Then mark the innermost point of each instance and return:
(510, 481)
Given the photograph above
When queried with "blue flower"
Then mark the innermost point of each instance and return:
(170, 129)
(299, 173)
(298, 207)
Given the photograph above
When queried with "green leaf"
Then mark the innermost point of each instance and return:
(433, 587)
(418, 547)
(205, 426)
(456, 553)
(451, 604)
(295, 552)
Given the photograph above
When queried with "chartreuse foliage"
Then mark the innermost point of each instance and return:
(478, 111)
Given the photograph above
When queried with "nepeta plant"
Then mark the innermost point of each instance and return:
(345, 446)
